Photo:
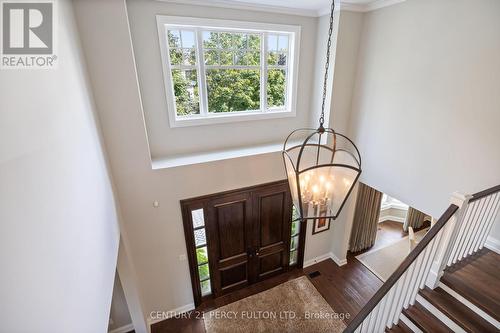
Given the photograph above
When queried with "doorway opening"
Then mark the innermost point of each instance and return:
(385, 230)
(237, 238)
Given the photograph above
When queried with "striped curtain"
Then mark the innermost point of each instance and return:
(364, 228)
(414, 219)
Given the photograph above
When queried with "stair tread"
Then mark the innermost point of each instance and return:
(425, 320)
(456, 311)
(477, 279)
(399, 328)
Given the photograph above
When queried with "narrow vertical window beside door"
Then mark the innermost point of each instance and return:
(200, 240)
(294, 241)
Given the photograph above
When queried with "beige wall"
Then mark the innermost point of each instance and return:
(58, 223)
(425, 108)
(155, 235)
(165, 141)
(347, 45)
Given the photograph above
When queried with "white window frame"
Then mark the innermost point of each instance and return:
(206, 118)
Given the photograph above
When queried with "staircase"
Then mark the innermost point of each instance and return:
(467, 299)
(449, 282)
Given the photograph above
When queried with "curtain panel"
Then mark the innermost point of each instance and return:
(414, 219)
(366, 216)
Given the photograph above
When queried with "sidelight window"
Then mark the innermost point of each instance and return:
(294, 241)
(200, 240)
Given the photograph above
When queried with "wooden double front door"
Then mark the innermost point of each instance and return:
(247, 232)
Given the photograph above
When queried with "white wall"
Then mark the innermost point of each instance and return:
(427, 87)
(119, 313)
(58, 224)
(165, 141)
(347, 44)
(155, 235)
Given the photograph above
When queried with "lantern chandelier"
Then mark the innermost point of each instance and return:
(323, 169)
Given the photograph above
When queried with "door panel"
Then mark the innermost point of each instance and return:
(228, 229)
(247, 237)
(230, 219)
(271, 224)
(271, 212)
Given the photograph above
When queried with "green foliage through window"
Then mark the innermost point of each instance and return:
(233, 71)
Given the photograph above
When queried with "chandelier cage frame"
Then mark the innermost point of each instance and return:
(325, 193)
(327, 140)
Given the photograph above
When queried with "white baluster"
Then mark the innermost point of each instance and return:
(488, 228)
(399, 291)
(459, 233)
(363, 326)
(378, 322)
(414, 279)
(475, 225)
(478, 205)
(436, 241)
(373, 319)
(395, 299)
(405, 291)
(482, 223)
(388, 305)
(427, 257)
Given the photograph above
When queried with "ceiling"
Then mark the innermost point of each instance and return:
(314, 5)
(297, 7)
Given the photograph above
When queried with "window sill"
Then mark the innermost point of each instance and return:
(197, 158)
(230, 117)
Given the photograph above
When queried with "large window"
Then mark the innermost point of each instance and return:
(218, 71)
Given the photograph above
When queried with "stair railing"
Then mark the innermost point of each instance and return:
(401, 288)
(479, 212)
(461, 231)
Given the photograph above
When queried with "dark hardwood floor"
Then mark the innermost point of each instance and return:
(477, 278)
(389, 232)
(346, 289)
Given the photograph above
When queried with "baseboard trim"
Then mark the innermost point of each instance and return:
(329, 255)
(392, 218)
(171, 313)
(493, 244)
(339, 262)
(123, 329)
(315, 260)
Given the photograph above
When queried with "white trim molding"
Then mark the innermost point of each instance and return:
(169, 314)
(329, 255)
(392, 218)
(243, 5)
(363, 8)
(123, 329)
(493, 244)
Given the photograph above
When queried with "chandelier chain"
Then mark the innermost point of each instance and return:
(327, 66)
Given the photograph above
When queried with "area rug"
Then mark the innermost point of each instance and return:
(294, 306)
(384, 261)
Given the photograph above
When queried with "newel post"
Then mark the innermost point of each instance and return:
(448, 241)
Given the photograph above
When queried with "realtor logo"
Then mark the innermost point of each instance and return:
(28, 34)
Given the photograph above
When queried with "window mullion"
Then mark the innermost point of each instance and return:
(263, 72)
(202, 82)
